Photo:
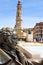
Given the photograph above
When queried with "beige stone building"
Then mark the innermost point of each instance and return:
(18, 25)
(38, 32)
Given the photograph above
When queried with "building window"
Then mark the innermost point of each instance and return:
(36, 31)
(36, 27)
(37, 34)
(40, 27)
(41, 31)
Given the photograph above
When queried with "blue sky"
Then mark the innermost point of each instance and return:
(32, 12)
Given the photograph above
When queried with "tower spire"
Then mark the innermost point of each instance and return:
(18, 26)
(19, 16)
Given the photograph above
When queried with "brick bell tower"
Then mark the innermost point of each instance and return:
(18, 26)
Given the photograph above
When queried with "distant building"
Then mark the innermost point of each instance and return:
(29, 32)
(30, 36)
(38, 32)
